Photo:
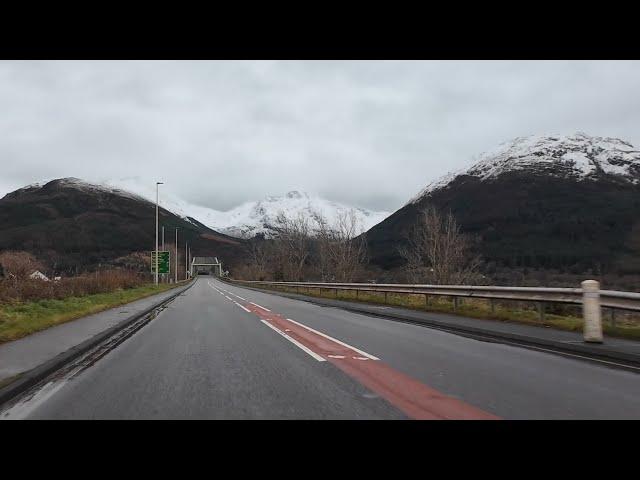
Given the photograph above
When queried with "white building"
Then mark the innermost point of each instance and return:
(39, 275)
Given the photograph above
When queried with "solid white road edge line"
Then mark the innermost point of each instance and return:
(260, 306)
(242, 307)
(295, 342)
(335, 340)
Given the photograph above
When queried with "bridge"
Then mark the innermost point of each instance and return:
(206, 265)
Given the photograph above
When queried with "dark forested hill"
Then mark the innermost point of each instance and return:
(569, 203)
(73, 225)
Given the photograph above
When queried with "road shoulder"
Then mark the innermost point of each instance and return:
(26, 353)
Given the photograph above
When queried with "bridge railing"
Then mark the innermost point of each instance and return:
(589, 296)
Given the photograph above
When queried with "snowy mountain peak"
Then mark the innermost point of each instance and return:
(579, 156)
(250, 218)
(77, 184)
(296, 194)
(259, 217)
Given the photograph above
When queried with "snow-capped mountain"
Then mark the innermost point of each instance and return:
(250, 218)
(77, 184)
(543, 202)
(579, 156)
(258, 217)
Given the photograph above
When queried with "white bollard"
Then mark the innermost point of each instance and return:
(591, 311)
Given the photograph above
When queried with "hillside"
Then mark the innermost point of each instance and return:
(74, 225)
(568, 203)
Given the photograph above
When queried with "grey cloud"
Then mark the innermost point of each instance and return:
(367, 133)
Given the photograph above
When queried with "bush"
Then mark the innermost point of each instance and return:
(23, 289)
(19, 264)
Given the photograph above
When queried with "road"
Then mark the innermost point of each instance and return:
(226, 352)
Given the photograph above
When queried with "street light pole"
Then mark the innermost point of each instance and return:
(155, 276)
(176, 274)
(164, 277)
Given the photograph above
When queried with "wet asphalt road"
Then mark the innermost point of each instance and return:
(206, 357)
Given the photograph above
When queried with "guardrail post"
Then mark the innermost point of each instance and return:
(493, 305)
(540, 311)
(455, 304)
(591, 311)
(613, 317)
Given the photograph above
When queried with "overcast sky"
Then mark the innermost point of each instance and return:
(367, 133)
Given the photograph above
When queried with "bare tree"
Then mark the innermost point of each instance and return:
(291, 246)
(260, 255)
(341, 252)
(299, 249)
(139, 261)
(324, 235)
(19, 264)
(437, 252)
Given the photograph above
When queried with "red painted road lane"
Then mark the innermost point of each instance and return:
(412, 397)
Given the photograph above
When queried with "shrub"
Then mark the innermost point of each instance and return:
(19, 264)
(20, 289)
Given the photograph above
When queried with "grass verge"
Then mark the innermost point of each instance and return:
(626, 325)
(21, 319)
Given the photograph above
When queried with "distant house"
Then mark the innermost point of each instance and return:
(39, 276)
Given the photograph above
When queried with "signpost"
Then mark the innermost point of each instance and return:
(160, 261)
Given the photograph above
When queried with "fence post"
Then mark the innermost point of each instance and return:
(591, 311)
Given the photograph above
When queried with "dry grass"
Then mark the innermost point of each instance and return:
(20, 319)
(21, 289)
(29, 305)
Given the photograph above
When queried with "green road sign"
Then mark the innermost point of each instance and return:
(161, 260)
